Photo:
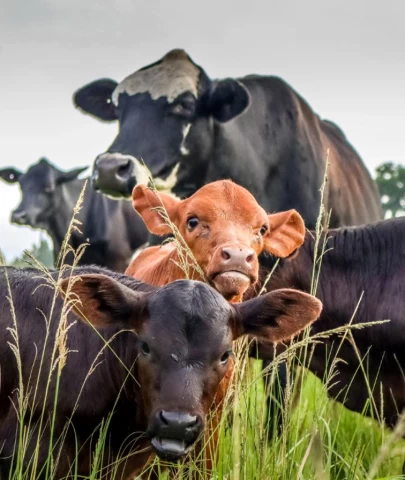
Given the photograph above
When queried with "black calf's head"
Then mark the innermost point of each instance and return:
(38, 188)
(184, 341)
(165, 113)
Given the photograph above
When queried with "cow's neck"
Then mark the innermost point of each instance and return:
(165, 270)
(355, 264)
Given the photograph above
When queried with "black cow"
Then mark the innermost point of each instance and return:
(153, 356)
(49, 195)
(369, 261)
(190, 130)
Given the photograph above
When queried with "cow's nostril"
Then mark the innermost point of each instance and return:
(163, 418)
(249, 258)
(124, 169)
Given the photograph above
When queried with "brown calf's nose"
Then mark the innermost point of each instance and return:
(237, 254)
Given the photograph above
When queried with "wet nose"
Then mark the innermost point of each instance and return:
(113, 174)
(237, 255)
(19, 216)
(177, 422)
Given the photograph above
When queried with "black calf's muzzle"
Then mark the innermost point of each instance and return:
(174, 433)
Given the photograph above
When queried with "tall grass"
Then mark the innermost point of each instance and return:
(320, 439)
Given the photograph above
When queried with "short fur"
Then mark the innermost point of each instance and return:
(368, 261)
(157, 351)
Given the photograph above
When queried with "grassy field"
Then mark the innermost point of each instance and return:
(320, 439)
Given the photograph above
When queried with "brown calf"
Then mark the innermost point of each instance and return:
(225, 229)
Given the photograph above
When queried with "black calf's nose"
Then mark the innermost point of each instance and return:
(178, 419)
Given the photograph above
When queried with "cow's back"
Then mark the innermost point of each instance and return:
(352, 194)
(278, 148)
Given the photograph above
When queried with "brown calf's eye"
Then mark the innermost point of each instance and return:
(192, 223)
(263, 230)
(145, 348)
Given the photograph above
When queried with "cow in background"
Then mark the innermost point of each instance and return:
(189, 130)
(49, 195)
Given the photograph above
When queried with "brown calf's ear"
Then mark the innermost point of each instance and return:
(147, 203)
(103, 301)
(286, 234)
(276, 316)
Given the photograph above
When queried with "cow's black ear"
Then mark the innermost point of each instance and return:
(228, 99)
(95, 99)
(10, 175)
(64, 177)
(103, 301)
(276, 316)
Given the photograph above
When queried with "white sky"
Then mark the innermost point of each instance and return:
(346, 58)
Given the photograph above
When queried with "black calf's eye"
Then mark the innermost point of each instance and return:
(263, 230)
(145, 348)
(225, 356)
(192, 223)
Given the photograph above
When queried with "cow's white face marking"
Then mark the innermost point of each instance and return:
(183, 149)
(144, 176)
(167, 184)
(175, 75)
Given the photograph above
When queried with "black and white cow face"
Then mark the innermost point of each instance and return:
(165, 113)
(39, 188)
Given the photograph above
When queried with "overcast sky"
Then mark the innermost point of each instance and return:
(347, 58)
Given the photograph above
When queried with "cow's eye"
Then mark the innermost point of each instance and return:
(185, 108)
(263, 230)
(225, 356)
(145, 348)
(192, 223)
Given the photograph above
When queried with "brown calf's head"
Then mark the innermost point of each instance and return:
(226, 229)
(184, 334)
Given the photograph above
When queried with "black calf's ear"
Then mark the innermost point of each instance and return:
(228, 99)
(103, 301)
(276, 316)
(10, 175)
(95, 99)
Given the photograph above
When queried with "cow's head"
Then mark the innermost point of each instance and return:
(165, 113)
(183, 344)
(226, 229)
(38, 185)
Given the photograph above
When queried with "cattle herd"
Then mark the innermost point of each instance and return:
(232, 170)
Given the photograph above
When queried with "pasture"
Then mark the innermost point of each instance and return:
(320, 439)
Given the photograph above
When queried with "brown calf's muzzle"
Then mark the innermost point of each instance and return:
(233, 269)
(173, 433)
